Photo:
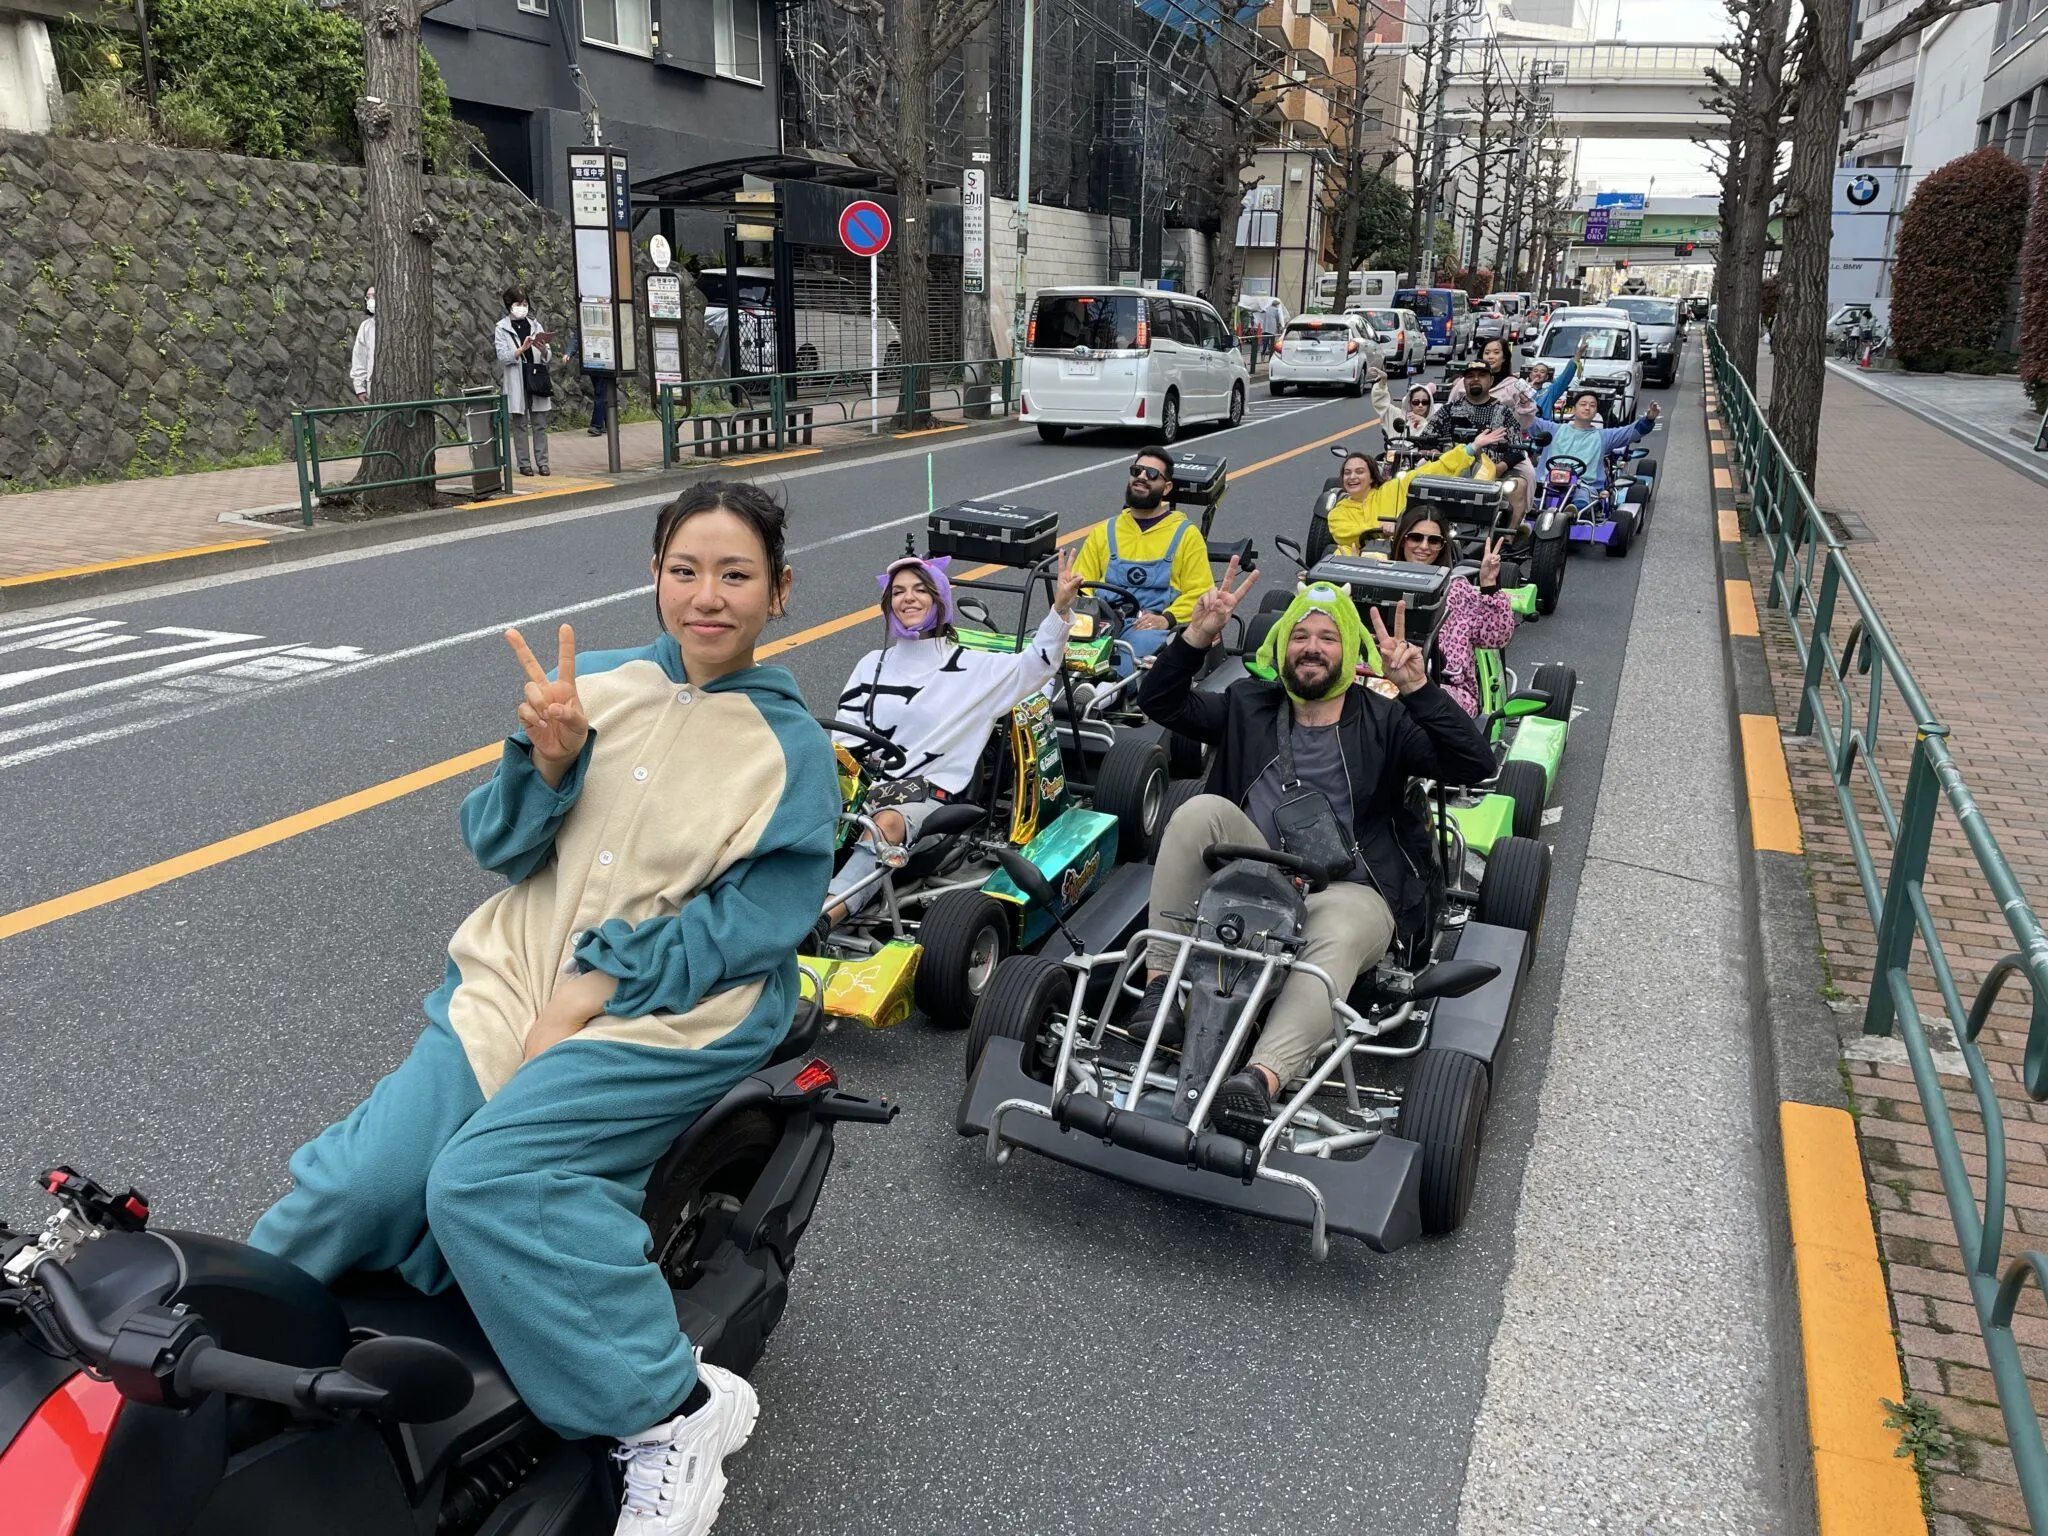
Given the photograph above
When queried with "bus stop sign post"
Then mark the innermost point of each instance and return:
(864, 230)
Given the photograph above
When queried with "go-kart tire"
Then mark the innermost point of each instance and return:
(1051, 433)
(1443, 1110)
(1131, 785)
(1624, 532)
(1185, 757)
(1260, 626)
(1019, 1003)
(1560, 682)
(1182, 791)
(1646, 469)
(695, 1191)
(1546, 571)
(965, 936)
(1275, 602)
(1516, 886)
(1315, 547)
(1528, 786)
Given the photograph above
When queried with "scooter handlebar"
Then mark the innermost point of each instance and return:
(207, 1367)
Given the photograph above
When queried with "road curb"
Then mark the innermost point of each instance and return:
(1834, 1338)
(22, 594)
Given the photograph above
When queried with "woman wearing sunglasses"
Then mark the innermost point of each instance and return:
(1374, 495)
(1152, 552)
(1473, 615)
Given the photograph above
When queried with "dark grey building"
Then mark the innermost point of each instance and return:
(2014, 111)
(676, 83)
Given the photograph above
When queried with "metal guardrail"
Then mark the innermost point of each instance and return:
(1595, 63)
(459, 425)
(1811, 578)
(770, 411)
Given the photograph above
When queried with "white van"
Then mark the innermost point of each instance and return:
(1128, 357)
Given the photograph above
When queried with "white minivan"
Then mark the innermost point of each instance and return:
(1128, 357)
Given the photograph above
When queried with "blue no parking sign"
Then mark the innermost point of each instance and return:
(864, 228)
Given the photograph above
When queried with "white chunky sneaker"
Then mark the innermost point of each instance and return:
(674, 1478)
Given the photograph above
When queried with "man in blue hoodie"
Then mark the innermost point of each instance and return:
(1583, 438)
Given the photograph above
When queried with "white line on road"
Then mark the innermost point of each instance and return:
(444, 642)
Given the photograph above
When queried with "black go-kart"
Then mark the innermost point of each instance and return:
(1053, 1066)
(166, 1383)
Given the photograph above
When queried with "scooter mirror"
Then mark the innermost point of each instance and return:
(425, 1381)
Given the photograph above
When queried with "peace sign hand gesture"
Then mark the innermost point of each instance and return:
(1067, 583)
(1400, 662)
(551, 712)
(1489, 563)
(1215, 606)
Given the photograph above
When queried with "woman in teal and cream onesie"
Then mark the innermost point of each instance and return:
(665, 816)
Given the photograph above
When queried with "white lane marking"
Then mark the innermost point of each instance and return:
(194, 640)
(55, 633)
(428, 647)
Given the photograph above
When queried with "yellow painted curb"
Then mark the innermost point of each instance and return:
(1731, 529)
(1741, 604)
(564, 488)
(120, 565)
(1845, 1325)
(1773, 817)
(944, 426)
(1723, 481)
(755, 458)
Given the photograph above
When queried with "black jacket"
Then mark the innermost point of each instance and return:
(1387, 743)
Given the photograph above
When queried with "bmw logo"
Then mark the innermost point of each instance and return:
(1863, 191)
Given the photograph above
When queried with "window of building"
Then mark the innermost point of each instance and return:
(736, 36)
(619, 24)
(534, 7)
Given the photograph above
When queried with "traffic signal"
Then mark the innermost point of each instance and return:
(1686, 247)
(1621, 264)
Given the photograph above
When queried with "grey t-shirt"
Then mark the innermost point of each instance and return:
(1319, 764)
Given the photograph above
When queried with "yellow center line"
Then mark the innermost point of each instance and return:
(106, 892)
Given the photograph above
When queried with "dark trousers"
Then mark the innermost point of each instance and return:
(600, 397)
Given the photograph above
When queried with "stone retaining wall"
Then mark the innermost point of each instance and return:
(163, 310)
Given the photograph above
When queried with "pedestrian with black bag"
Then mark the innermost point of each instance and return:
(523, 357)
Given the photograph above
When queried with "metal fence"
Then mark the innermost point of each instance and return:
(757, 413)
(1851, 667)
(473, 424)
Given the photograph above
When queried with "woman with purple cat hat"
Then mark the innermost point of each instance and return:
(937, 701)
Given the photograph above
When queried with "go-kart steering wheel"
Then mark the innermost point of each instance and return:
(888, 757)
(1216, 855)
(1122, 599)
(1566, 461)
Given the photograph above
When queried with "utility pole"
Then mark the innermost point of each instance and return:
(977, 338)
(1018, 316)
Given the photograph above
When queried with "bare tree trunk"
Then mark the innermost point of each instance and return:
(1798, 344)
(1755, 147)
(402, 234)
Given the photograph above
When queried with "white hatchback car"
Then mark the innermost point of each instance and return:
(1404, 346)
(1323, 350)
(1128, 357)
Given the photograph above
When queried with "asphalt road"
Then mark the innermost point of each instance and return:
(966, 1350)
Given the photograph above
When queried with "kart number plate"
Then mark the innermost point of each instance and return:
(1077, 370)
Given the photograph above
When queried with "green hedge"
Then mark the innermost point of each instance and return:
(2034, 298)
(1959, 240)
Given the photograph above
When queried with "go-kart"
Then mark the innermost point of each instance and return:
(1611, 516)
(1051, 1067)
(944, 913)
(179, 1384)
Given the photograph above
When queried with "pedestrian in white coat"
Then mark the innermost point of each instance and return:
(523, 357)
(363, 356)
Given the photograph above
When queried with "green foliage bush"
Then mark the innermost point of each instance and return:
(104, 110)
(274, 78)
(1959, 240)
(2034, 297)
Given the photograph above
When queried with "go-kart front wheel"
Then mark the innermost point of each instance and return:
(1560, 683)
(1516, 886)
(1443, 1111)
(1546, 571)
(1626, 518)
(964, 935)
(1528, 786)
(1131, 786)
(1023, 998)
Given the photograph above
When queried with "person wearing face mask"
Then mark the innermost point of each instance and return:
(523, 357)
(1412, 419)
(1151, 551)
(1356, 748)
(936, 701)
(362, 357)
(664, 817)
(1375, 495)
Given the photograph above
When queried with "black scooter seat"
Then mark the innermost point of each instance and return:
(382, 1303)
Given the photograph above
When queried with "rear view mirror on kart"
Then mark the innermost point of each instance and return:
(1525, 704)
(1452, 978)
(1026, 876)
(423, 1382)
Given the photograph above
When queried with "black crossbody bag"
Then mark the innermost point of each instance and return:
(1304, 819)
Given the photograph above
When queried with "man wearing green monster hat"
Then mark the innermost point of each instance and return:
(1355, 747)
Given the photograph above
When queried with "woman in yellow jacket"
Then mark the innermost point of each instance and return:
(1374, 496)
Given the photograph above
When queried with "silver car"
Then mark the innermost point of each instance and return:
(1326, 350)
(1403, 343)
(1661, 332)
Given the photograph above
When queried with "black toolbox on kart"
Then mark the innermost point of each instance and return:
(992, 531)
(1199, 480)
(1477, 504)
(1384, 584)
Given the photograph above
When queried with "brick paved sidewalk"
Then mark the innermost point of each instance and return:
(1947, 542)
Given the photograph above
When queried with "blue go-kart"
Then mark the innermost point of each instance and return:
(1611, 517)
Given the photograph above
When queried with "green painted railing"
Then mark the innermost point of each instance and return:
(771, 411)
(475, 425)
(1841, 704)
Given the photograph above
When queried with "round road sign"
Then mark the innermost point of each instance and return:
(864, 228)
